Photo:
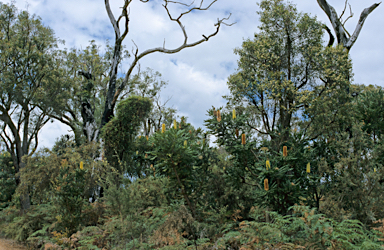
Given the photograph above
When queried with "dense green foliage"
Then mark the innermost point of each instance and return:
(7, 179)
(297, 161)
(119, 134)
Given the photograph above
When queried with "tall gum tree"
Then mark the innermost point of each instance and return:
(286, 75)
(28, 78)
(85, 78)
(85, 84)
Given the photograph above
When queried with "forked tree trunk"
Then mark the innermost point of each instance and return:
(338, 26)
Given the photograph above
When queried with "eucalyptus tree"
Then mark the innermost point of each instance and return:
(115, 88)
(85, 74)
(95, 82)
(286, 78)
(29, 77)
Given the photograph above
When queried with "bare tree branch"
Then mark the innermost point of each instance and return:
(113, 91)
(345, 7)
(112, 18)
(360, 24)
(350, 16)
(339, 27)
(331, 37)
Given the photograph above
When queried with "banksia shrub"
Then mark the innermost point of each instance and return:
(268, 164)
(285, 153)
(266, 185)
(243, 139)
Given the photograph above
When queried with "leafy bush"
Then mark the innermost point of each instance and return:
(7, 179)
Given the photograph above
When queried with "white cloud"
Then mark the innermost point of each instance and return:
(51, 132)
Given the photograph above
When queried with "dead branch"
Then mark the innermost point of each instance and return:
(360, 24)
(114, 92)
(339, 27)
(185, 44)
(350, 15)
(345, 7)
(331, 37)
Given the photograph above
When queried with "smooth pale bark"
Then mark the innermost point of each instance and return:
(338, 27)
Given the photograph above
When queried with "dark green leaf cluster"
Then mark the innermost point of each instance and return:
(119, 134)
(7, 179)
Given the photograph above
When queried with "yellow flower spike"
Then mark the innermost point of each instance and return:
(146, 137)
(308, 167)
(185, 143)
(139, 136)
(243, 139)
(137, 152)
(264, 149)
(285, 153)
(146, 156)
(266, 185)
(234, 114)
(268, 164)
(163, 128)
(174, 124)
(374, 170)
(81, 165)
(218, 116)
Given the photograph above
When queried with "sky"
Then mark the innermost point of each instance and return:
(196, 76)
